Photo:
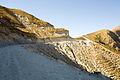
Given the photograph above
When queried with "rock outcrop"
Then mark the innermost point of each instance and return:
(83, 54)
(17, 26)
(96, 53)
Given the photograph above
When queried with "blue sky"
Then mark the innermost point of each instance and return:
(80, 17)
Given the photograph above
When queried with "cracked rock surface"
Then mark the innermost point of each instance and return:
(83, 53)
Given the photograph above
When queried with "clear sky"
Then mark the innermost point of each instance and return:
(78, 16)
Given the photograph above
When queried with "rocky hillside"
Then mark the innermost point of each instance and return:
(117, 31)
(17, 26)
(106, 38)
(15, 17)
(52, 53)
(84, 54)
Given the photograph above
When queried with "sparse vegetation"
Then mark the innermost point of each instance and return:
(105, 38)
(31, 18)
(27, 23)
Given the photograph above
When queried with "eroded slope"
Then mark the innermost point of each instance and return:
(84, 54)
(17, 26)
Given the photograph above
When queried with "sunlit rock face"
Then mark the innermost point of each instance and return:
(106, 38)
(42, 52)
(17, 26)
(84, 54)
(91, 56)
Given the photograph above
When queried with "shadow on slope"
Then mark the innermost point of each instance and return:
(106, 38)
(50, 51)
(27, 65)
(115, 38)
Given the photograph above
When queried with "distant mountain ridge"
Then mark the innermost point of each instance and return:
(107, 38)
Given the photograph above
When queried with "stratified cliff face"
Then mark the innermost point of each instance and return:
(17, 26)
